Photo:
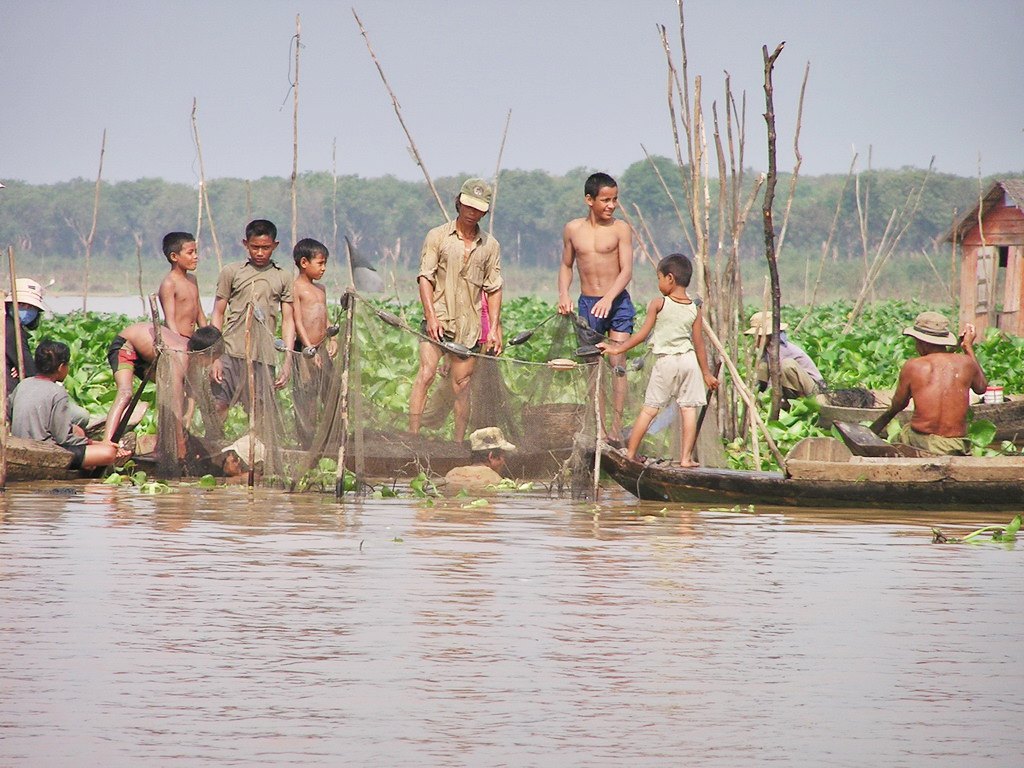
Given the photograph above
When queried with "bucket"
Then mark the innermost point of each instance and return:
(994, 395)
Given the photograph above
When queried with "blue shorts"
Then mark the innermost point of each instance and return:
(619, 319)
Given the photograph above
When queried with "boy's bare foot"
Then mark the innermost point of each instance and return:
(688, 464)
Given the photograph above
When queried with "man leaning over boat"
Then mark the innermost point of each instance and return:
(939, 381)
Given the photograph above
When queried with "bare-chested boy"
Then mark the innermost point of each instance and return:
(179, 291)
(601, 247)
(309, 308)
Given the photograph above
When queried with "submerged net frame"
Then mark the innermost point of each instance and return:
(352, 407)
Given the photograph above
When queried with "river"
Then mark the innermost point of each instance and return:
(228, 628)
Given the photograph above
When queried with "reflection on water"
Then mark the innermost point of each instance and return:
(216, 629)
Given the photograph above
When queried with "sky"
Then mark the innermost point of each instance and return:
(585, 83)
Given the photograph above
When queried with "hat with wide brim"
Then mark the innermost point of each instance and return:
(476, 193)
(761, 324)
(29, 292)
(489, 439)
(931, 328)
(241, 447)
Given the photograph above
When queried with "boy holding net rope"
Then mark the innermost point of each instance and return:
(681, 360)
(261, 284)
(313, 367)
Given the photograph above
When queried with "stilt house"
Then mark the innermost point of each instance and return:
(991, 239)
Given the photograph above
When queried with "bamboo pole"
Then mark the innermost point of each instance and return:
(339, 482)
(598, 443)
(295, 133)
(95, 215)
(204, 192)
(497, 172)
(745, 393)
(16, 316)
(138, 259)
(251, 372)
(334, 196)
(671, 197)
(797, 164)
(401, 120)
(769, 230)
(826, 247)
(3, 400)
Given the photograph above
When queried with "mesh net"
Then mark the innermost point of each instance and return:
(348, 401)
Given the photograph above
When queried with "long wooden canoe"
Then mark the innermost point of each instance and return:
(821, 472)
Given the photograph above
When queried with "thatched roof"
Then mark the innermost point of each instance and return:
(1012, 190)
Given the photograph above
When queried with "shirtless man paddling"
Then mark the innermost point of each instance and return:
(939, 381)
(601, 247)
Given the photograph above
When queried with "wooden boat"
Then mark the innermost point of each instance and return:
(822, 472)
(1008, 416)
(33, 460)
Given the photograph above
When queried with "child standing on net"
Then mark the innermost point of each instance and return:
(179, 291)
(681, 369)
(312, 371)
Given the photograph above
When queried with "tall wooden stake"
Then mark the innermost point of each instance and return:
(769, 231)
(250, 369)
(598, 443)
(95, 214)
(398, 112)
(17, 319)
(295, 133)
(138, 258)
(3, 402)
(204, 194)
(497, 172)
(339, 482)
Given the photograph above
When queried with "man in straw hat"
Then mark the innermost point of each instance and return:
(939, 381)
(487, 449)
(800, 376)
(460, 267)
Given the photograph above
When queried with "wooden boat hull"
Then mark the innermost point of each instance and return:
(1008, 416)
(32, 460)
(850, 485)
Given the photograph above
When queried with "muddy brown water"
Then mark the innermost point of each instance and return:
(227, 629)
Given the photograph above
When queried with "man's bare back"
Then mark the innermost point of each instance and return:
(179, 298)
(940, 384)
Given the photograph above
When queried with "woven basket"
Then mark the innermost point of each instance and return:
(551, 425)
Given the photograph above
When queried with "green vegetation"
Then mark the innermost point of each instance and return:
(387, 219)
(870, 355)
(990, 533)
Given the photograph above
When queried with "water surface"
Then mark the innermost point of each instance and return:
(228, 629)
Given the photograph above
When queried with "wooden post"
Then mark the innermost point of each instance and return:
(295, 133)
(774, 364)
(16, 317)
(3, 403)
(497, 172)
(95, 215)
(204, 194)
(597, 430)
(251, 481)
(349, 301)
(138, 258)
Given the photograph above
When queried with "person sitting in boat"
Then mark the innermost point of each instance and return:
(28, 311)
(487, 450)
(41, 410)
(939, 381)
(800, 376)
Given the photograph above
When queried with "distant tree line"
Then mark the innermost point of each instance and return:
(387, 218)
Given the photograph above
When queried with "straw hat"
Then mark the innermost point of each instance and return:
(241, 447)
(489, 439)
(761, 324)
(932, 328)
(29, 292)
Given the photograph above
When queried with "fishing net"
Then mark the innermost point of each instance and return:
(347, 403)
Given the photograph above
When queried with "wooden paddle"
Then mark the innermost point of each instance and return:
(863, 442)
